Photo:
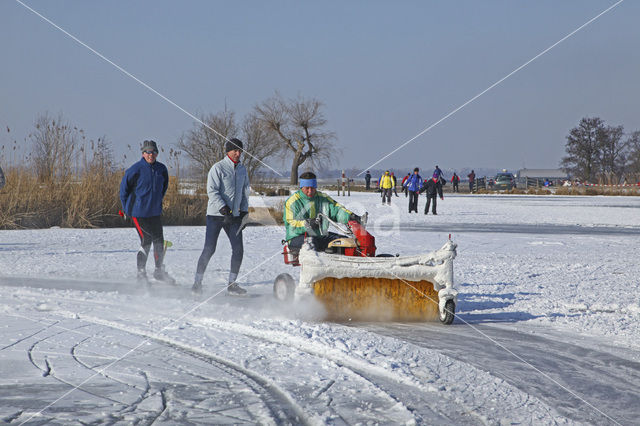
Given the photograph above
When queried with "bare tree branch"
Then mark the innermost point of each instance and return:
(298, 124)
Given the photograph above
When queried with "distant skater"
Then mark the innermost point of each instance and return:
(412, 187)
(385, 184)
(437, 172)
(404, 186)
(393, 178)
(455, 180)
(472, 178)
(433, 188)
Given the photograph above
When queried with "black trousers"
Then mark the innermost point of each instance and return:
(232, 227)
(150, 232)
(413, 201)
(435, 202)
(455, 187)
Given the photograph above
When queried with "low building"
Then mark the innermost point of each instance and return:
(555, 176)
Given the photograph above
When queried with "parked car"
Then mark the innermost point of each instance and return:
(504, 180)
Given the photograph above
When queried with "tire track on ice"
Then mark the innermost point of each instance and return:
(50, 372)
(606, 381)
(145, 393)
(283, 407)
(420, 404)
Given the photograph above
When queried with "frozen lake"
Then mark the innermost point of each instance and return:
(546, 329)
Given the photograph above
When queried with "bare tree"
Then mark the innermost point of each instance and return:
(633, 158)
(204, 146)
(613, 151)
(55, 144)
(298, 125)
(583, 148)
(260, 144)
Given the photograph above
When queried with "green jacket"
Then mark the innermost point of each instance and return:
(299, 207)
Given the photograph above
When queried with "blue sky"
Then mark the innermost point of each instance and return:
(384, 70)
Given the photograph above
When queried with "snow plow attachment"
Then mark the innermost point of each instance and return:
(411, 288)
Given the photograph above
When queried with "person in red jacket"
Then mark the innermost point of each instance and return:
(404, 188)
(393, 178)
(472, 178)
(455, 180)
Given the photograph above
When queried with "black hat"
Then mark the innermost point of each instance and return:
(149, 146)
(416, 169)
(232, 144)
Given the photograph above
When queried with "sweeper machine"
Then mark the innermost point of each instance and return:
(352, 282)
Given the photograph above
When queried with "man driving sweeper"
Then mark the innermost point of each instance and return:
(301, 215)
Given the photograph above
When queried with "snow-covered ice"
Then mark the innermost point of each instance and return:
(546, 329)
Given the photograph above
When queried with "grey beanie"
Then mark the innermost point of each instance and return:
(232, 144)
(149, 146)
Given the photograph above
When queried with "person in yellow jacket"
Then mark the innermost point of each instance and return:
(386, 186)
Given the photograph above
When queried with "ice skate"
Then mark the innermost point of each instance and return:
(235, 289)
(141, 277)
(161, 275)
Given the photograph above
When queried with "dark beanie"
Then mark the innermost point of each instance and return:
(232, 144)
(149, 146)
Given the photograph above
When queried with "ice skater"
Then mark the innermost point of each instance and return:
(228, 190)
(433, 188)
(412, 186)
(142, 190)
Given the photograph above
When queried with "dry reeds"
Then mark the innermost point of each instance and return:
(599, 190)
(88, 200)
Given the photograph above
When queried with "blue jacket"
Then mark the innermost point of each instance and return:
(142, 189)
(414, 183)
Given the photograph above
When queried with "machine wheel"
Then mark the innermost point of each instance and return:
(284, 287)
(449, 312)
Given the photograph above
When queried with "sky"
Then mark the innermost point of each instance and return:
(384, 70)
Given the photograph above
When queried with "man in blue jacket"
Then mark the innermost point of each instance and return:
(228, 190)
(413, 185)
(141, 192)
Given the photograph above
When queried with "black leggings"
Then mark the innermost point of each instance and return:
(413, 201)
(233, 229)
(150, 231)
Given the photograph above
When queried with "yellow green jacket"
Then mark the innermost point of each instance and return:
(299, 207)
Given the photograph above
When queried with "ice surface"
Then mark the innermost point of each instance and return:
(80, 341)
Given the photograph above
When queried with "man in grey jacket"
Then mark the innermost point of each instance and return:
(228, 190)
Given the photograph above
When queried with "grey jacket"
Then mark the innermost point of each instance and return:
(227, 186)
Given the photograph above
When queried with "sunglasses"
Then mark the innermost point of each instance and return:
(150, 152)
